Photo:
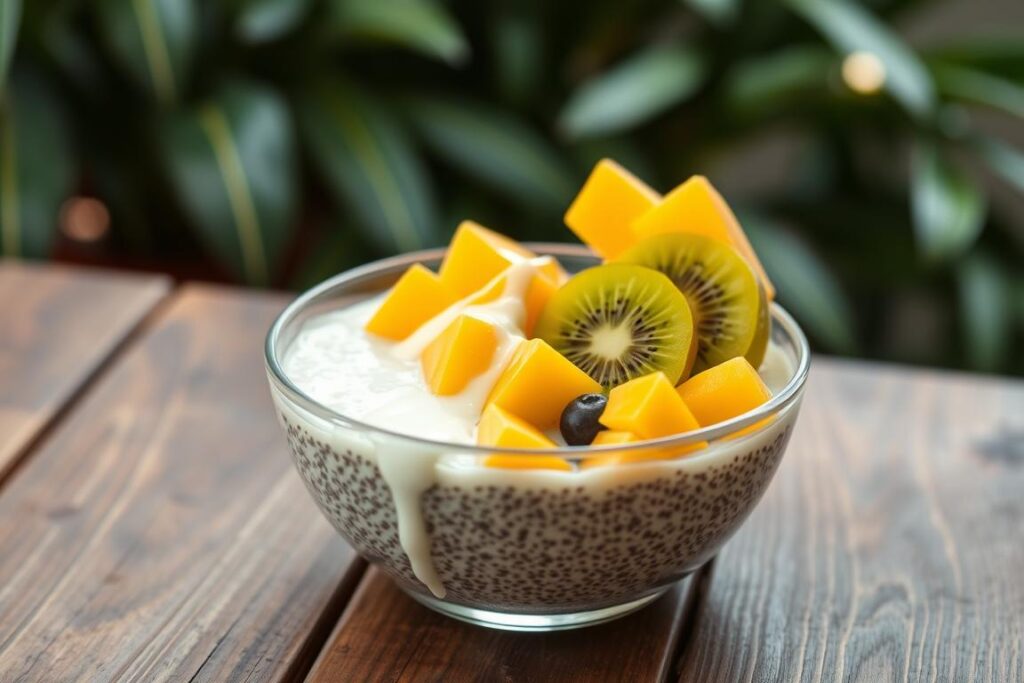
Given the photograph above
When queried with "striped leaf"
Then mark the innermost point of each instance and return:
(948, 208)
(10, 19)
(634, 92)
(977, 87)
(852, 28)
(495, 148)
(35, 169)
(421, 25)
(232, 161)
(369, 164)
(153, 40)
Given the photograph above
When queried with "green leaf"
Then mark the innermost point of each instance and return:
(1005, 160)
(767, 82)
(421, 25)
(10, 18)
(852, 28)
(806, 286)
(986, 311)
(999, 54)
(518, 55)
(260, 21)
(948, 209)
(978, 87)
(720, 12)
(232, 161)
(153, 40)
(495, 148)
(35, 168)
(369, 163)
(633, 92)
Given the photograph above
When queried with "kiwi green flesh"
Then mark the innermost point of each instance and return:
(759, 346)
(719, 285)
(619, 322)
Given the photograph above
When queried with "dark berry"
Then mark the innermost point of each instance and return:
(579, 424)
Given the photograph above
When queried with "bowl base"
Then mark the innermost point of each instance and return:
(510, 621)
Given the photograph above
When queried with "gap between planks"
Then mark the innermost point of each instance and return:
(116, 351)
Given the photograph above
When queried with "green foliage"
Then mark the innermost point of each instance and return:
(277, 141)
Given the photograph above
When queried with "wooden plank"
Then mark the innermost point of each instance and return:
(59, 324)
(386, 636)
(889, 547)
(160, 532)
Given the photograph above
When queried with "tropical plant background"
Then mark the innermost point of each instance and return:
(876, 163)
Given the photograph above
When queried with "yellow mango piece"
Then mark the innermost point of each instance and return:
(498, 427)
(649, 407)
(610, 200)
(724, 391)
(476, 256)
(697, 207)
(417, 297)
(527, 462)
(543, 285)
(608, 437)
(460, 353)
(538, 383)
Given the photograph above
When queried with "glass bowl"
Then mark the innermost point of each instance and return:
(528, 549)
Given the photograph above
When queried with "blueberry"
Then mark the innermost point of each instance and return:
(579, 424)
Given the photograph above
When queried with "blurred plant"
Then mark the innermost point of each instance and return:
(298, 137)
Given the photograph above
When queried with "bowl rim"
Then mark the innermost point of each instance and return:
(788, 395)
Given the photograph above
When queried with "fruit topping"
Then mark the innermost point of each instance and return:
(609, 438)
(720, 287)
(537, 384)
(696, 207)
(580, 421)
(724, 392)
(500, 428)
(477, 255)
(417, 297)
(617, 322)
(543, 285)
(603, 212)
(460, 353)
(503, 429)
(649, 407)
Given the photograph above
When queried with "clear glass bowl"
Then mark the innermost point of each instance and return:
(527, 549)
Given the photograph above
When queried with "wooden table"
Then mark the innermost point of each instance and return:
(152, 528)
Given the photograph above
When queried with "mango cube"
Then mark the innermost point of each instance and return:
(696, 207)
(725, 391)
(649, 407)
(543, 285)
(538, 383)
(417, 297)
(603, 212)
(498, 427)
(460, 353)
(476, 256)
(608, 437)
(503, 429)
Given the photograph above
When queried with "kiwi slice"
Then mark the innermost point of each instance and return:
(617, 322)
(719, 285)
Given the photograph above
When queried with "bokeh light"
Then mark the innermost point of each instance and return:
(84, 219)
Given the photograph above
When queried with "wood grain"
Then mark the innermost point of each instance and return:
(159, 532)
(58, 325)
(889, 547)
(386, 636)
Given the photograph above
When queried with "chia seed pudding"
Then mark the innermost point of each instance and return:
(521, 541)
